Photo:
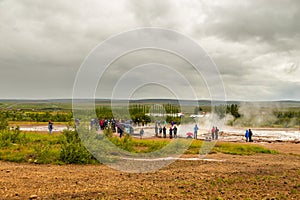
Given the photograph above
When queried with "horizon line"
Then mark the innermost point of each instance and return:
(107, 99)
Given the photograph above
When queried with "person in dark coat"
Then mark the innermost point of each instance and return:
(164, 132)
(121, 130)
(216, 133)
(171, 132)
(160, 131)
(50, 126)
(175, 131)
(250, 135)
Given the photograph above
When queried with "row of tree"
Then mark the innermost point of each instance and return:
(287, 117)
(137, 112)
(232, 109)
(15, 115)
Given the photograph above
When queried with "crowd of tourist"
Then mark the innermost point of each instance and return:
(161, 129)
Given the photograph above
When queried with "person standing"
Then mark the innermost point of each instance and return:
(92, 124)
(77, 122)
(50, 126)
(195, 131)
(171, 132)
(250, 135)
(216, 133)
(141, 133)
(213, 133)
(247, 135)
(160, 131)
(101, 122)
(175, 131)
(165, 132)
(121, 129)
(156, 130)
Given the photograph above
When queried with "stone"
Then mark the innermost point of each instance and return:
(34, 196)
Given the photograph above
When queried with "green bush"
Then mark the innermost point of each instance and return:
(3, 122)
(44, 154)
(124, 143)
(8, 137)
(73, 151)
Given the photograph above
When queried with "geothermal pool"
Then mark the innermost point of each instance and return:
(226, 133)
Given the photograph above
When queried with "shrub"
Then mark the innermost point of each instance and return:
(8, 137)
(72, 149)
(44, 154)
(124, 143)
(3, 123)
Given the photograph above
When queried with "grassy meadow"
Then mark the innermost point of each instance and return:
(62, 148)
(66, 147)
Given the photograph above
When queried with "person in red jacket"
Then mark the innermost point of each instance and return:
(213, 133)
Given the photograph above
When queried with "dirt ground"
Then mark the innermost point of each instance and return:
(260, 176)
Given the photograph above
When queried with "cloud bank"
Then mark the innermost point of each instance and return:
(254, 43)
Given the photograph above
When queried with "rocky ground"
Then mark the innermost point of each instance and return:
(260, 176)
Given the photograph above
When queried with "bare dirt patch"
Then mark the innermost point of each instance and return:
(260, 176)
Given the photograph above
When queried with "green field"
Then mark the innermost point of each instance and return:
(64, 148)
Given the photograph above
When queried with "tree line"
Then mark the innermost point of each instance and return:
(287, 117)
(232, 109)
(15, 115)
(137, 112)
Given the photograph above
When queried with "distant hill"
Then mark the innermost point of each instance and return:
(283, 103)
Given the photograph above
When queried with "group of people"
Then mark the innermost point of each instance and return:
(248, 135)
(214, 133)
(103, 123)
(162, 131)
(120, 127)
(117, 126)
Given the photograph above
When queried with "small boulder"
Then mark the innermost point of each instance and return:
(34, 196)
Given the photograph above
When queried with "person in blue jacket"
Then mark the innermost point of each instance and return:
(247, 135)
(195, 131)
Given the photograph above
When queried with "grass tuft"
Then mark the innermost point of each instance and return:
(242, 149)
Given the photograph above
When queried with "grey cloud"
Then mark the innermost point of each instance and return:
(151, 13)
(258, 19)
(255, 43)
(168, 72)
(230, 66)
(50, 40)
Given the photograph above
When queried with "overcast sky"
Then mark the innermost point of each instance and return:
(254, 43)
